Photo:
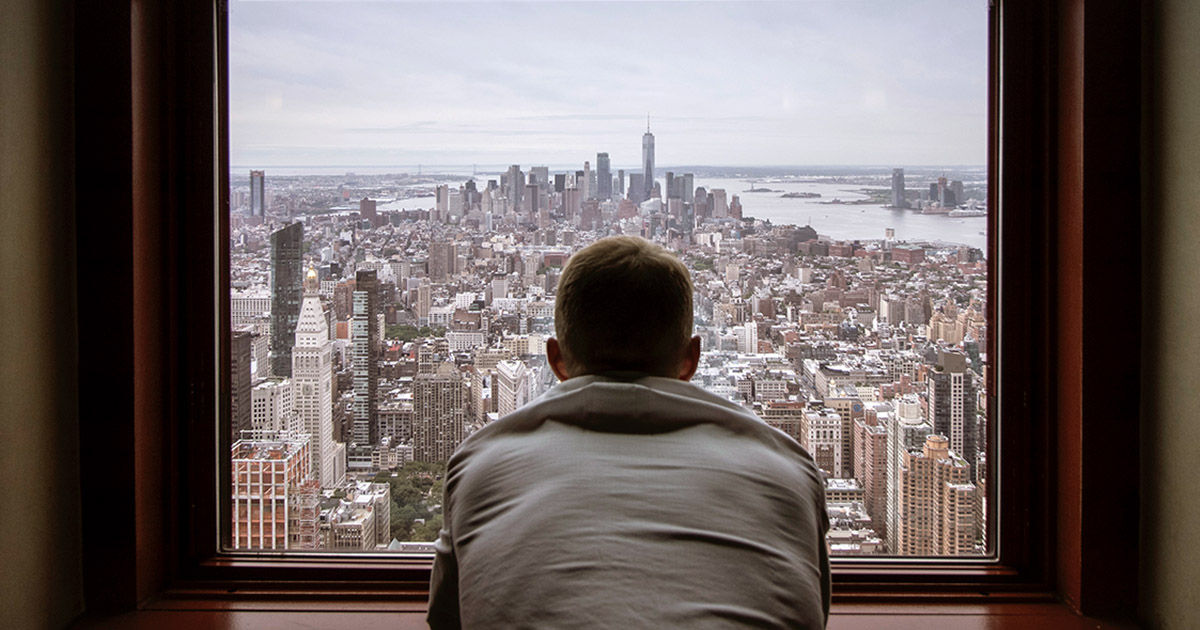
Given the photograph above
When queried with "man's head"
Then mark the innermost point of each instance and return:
(624, 304)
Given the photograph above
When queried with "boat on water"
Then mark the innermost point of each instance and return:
(968, 212)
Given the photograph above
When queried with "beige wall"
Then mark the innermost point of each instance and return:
(1171, 387)
(40, 584)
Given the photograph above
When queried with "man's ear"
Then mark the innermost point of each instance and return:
(691, 359)
(555, 358)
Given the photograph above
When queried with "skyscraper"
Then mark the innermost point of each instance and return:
(937, 502)
(870, 461)
(441, 264)
(442, 200)
(701, 204)
(572, 202)
(621, 182)
(906, 432)
(268, 472)
(258, 194)
(423, 302)
(241, 352)
(952, 404)
(529, 204)
(587, 179)
(364, 335)
(637, 189)
(720, 206)
(603, 177)
(286, 291)
(541, 175)
(271, 405)
(589, 214)
(898, 200)
(647, 160)
(512, 386)
(440, 403)
(821, 435)
(516, 187)
(366, 211)
(312, 382)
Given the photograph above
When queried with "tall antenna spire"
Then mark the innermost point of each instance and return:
(647, 122)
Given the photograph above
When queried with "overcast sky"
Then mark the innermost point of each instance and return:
(858, 82)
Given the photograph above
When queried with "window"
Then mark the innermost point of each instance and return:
(432, 285)
(150, 436)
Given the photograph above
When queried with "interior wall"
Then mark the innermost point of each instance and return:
(1171, 362)
(40, 576)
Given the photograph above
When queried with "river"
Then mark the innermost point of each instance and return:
(848, 222)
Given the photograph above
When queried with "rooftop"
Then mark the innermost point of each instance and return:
(260, 450)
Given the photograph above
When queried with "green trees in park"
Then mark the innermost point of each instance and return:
(416, 491)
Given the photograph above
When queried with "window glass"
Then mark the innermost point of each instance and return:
(409, 178)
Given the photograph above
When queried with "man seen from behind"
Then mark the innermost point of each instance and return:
(626, 497)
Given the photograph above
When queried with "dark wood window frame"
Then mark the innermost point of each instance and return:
(1065, 136)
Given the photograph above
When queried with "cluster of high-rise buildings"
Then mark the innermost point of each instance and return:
(366, 338)
(277, 505)
(944, 196)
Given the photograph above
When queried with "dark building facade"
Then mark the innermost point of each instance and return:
(637, 189)
(241, 351)
(364, 335)
(952, 405)
(647, 161)
(287, 290)
(441, 260)
(898, 200)
(258, 194)
(604, 178)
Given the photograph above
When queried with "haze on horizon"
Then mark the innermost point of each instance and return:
(857, 82)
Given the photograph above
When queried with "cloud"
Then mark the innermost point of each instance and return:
(750, 82)
(873, 101)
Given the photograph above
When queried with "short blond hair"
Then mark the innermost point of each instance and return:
(624, 304)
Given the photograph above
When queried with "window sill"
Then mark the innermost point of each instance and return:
(267, 615)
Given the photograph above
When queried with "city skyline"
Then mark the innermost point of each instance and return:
(831, 341)
(418, 83)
